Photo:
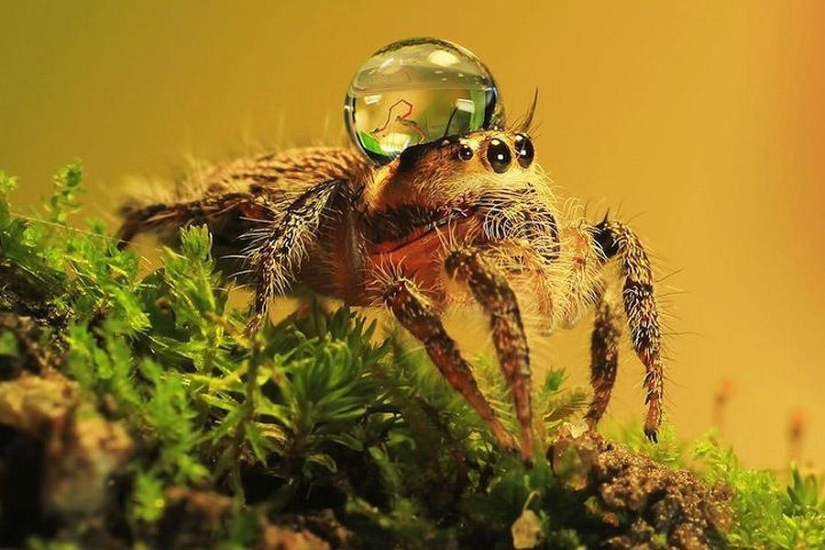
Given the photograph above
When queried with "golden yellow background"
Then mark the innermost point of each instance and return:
(702, 122)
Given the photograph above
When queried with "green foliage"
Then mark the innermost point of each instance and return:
(555, 405)
(102, 280)
(36, 543)
(766, 515)
(8, 345)
(21, 244)
(805, 492)
(66, 188)
(147, 498)
(517, 488)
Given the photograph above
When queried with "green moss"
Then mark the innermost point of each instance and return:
(318, 412)
(768, 514)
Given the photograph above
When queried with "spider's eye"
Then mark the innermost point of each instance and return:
(498, 155)
(465, 153)
(524, 150)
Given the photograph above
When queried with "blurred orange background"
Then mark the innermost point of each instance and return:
(701, 122)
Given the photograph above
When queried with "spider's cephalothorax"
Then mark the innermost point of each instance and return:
(463, 218)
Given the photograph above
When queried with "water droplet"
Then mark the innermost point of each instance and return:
(419, 91)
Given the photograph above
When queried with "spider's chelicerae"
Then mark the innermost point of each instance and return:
(463, 218)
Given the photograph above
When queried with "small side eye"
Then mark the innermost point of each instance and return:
(524, 150)
(499, 156)
(465, 153)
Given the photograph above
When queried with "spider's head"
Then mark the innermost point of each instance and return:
(487, 150)
(483, 184)
(462, 167)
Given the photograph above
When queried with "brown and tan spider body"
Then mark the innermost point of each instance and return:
(466, 218)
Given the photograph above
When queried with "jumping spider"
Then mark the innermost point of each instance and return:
(472, 212)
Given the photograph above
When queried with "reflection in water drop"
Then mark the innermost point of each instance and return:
(418, 91)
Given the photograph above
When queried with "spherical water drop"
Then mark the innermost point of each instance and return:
(419, 91)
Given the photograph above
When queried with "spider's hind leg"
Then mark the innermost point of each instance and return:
(153, 217)
(604, 356)
(142, 219)
(419, 317)
(617, 240)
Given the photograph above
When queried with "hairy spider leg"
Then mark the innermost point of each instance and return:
(604, 357)
(491, 290)
(278, 251)
(153, 216)
(616, 239)
(417, 315)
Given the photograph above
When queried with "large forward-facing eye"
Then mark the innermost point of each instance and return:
(498, 155)
(524, 150)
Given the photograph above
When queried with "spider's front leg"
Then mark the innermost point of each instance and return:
(491, 290)
(617, 240)
(417, 315)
